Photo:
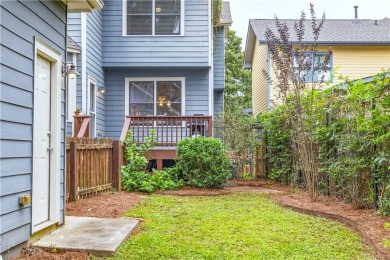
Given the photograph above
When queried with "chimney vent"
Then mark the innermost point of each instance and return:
(376, 22)
(356, 14)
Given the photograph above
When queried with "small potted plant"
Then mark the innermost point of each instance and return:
(77, 111)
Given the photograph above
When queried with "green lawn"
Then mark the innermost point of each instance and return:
(238, 226)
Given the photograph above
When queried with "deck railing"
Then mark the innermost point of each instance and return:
(169, 129)
(81, 126)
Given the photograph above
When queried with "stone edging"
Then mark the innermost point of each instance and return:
(349, 222)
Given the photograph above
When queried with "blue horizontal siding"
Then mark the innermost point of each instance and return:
(22, 22)
(218, 101)
(189, 50)
(196, 87)
(94, 64)
(219, 60)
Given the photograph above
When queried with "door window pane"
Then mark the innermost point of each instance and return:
(169, 98)
(147, 98)
(141, 98)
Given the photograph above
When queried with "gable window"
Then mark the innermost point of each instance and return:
(155, 97)
(153, 17)
(315, 74)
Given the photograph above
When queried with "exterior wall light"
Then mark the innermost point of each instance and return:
(101, 90)
(70, 70)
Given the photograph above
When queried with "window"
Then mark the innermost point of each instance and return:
(315, 73)
(153, 17)
(160, 97)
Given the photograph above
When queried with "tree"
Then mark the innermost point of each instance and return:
(238, 82)
(237, 130)
(292, 76)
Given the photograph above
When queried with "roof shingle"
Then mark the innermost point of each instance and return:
(71, 44)
(226, 15)
(333, 31)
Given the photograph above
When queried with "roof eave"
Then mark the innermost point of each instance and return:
(249, 47)
(337, 43)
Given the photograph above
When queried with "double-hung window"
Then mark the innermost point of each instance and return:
(155, 97)
(153, 17)
(315, 73)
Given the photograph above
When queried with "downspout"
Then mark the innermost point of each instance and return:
(211, 63)
(268, 81)
(66, 108)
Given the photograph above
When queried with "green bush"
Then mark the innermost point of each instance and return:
(166, 179)
(384, 202)
(203, 162)
(135, 175)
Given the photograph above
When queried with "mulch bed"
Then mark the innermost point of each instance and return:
(367, 223)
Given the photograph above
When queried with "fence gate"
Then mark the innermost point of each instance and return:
(92, 166)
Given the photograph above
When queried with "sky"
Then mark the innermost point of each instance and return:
(243, 10)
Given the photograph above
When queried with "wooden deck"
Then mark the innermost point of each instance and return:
(169, 131)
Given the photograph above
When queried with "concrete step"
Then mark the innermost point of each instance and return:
(99, 236)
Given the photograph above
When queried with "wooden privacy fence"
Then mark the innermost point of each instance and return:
(92, 165)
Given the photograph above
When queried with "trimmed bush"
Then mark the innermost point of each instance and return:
(203, 162)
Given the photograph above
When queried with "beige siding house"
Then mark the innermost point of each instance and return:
(360, 49)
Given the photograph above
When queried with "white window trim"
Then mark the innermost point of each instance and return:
(154, 79)
(124, 22)
(90, 81)
(40, 48)
(330, 65)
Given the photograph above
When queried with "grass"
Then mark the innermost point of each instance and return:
(238, 226)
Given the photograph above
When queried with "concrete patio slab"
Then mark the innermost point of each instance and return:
(100, 236)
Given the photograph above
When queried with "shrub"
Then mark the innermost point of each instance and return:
(166, 179)
(203, 162)
(384, 202)
(135, 175)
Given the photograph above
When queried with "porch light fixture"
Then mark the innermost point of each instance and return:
(70, 70)
(101, 90)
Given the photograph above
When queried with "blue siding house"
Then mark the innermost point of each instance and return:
(33, 88)
(160, 63)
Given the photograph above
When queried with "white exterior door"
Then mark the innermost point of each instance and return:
(42, 146)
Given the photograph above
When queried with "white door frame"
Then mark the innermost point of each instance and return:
(55, 58)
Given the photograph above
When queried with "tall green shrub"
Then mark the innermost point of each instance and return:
(352, 135)
(277, 139)
(203, 162)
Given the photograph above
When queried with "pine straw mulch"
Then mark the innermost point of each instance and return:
(366, 222)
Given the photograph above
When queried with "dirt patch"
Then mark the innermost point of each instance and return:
(33, 253)
(104, 205)
(368, 223)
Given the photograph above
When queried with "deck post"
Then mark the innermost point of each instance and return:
(117, 162)
(210, 123)
(73, 178)
(159, 164)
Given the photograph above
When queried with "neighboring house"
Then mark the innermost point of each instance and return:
(160, 62)
(360, 49)
(32, 117)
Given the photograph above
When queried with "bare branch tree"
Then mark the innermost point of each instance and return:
(299, 71)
